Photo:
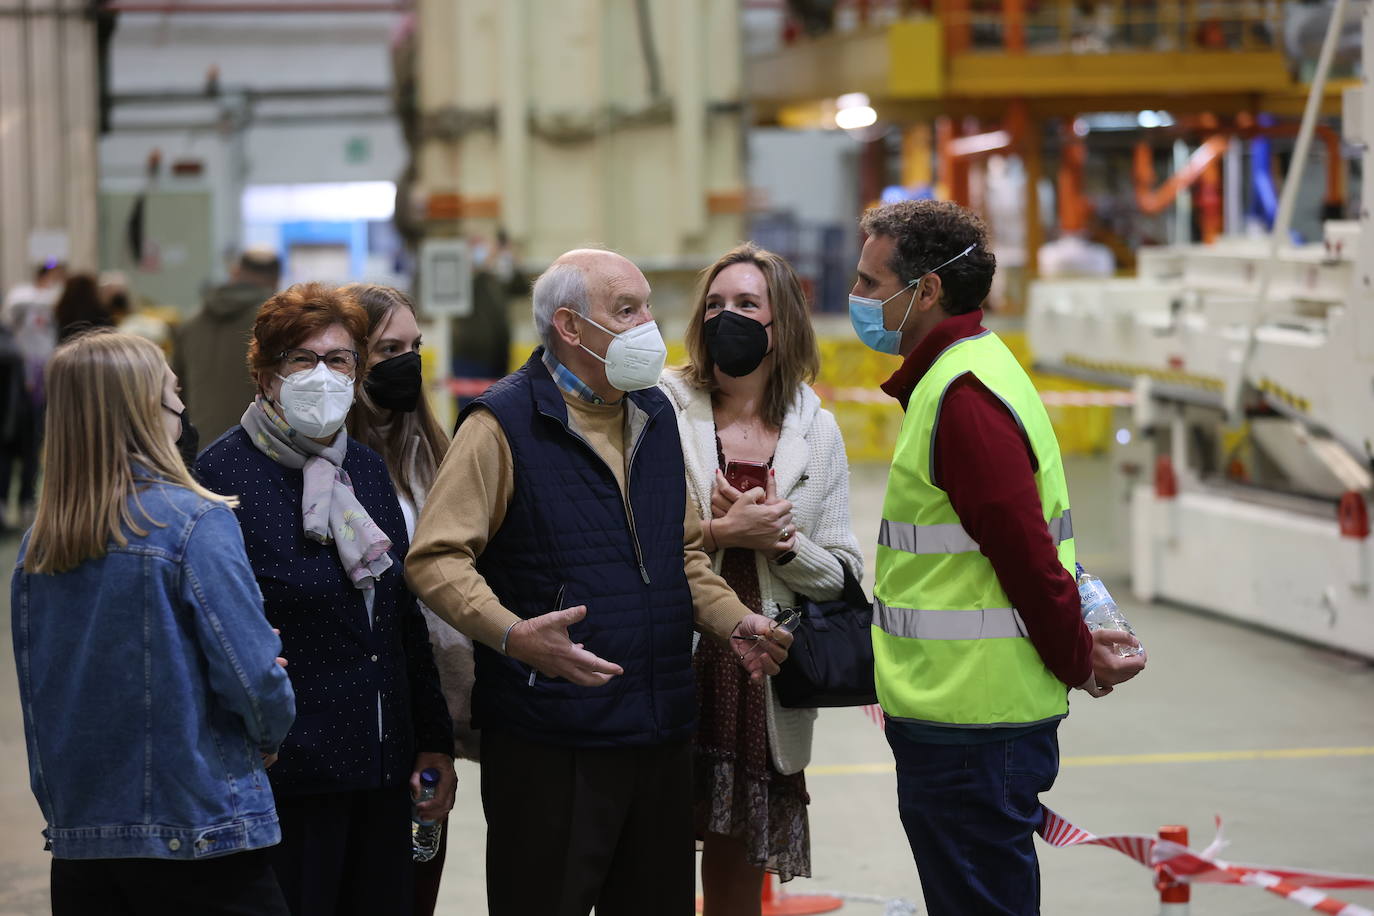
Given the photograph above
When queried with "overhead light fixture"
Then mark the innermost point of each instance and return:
(1150, 118)
(854, 118)
(853, 111)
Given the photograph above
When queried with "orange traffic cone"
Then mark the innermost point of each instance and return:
(780, 903)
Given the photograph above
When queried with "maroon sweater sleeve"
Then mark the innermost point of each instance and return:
(983, 463)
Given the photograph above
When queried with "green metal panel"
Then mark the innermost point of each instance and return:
(177, 244)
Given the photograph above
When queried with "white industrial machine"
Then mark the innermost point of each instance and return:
(1253, 368)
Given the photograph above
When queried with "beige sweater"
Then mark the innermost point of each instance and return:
(468, 503)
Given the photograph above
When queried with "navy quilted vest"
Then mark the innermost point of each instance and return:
(568, 532)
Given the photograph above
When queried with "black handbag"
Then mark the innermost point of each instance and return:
(831, 659)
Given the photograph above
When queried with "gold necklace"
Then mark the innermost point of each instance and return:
(747, 430)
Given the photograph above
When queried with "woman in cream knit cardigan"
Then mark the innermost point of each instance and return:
(744, 397)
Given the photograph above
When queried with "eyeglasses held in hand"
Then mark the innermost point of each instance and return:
(787, 621)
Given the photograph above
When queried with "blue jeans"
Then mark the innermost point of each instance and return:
(970, 811)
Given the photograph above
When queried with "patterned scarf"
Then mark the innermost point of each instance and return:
(329, 509)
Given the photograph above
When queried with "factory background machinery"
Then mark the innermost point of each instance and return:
(1135, 160)
(1251, 362)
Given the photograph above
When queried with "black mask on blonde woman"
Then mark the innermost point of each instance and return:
(188, 440)
(736, 344)
(395, 384)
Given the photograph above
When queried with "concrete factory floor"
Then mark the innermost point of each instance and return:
(1275, 737)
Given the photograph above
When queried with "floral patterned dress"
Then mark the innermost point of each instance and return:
(738, 792)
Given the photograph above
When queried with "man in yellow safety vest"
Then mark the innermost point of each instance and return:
(977, 631)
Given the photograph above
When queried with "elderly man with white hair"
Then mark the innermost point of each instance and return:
(559, 537)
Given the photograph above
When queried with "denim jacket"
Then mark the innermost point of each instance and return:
(150, 689)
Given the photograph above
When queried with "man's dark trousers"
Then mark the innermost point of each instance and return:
(970, 813)
(571, 828)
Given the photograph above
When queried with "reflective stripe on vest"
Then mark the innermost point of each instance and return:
(952, 538)
(948, 647)
(918, 623)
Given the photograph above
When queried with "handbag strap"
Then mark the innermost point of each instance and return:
(853, 592)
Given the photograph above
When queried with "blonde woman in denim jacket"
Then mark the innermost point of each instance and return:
(152, 693)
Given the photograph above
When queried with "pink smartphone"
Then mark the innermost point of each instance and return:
(745, 475)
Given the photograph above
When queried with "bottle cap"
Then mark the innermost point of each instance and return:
(429, 777)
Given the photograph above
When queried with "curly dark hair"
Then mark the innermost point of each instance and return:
(927, 233)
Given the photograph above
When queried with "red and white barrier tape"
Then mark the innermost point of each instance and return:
(1182, 864)
(1059, 833)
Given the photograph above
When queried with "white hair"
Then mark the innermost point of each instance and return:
(561, 286)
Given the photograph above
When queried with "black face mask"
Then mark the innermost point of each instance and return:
(395, 384)
(188, 440)
(736, 344)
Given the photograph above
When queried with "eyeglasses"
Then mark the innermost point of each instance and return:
(787, 621)
(302, 360)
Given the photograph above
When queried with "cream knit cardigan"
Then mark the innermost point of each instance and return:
(813, 472)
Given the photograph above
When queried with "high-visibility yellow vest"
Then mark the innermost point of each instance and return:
(948, 647)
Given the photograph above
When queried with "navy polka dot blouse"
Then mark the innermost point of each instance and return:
(339, 662)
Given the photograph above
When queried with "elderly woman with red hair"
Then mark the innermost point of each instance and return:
(326, 540)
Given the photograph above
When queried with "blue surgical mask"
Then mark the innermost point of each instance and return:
(866, 315)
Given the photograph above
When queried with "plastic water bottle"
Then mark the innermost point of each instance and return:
(1100, 611)
(424, 835)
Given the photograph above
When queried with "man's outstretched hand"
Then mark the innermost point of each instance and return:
(542, 643)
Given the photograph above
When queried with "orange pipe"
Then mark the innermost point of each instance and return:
(1246, 128)
(955, 151)
(953, 167)
(1018, 122)
(1207, 192)
(958, 182)
(954, 16)
(1014, 19)
(1211, 218)
(1073, 209)
(1154, 200)
(944, 156)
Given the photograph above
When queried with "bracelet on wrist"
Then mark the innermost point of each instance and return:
(505, 638)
